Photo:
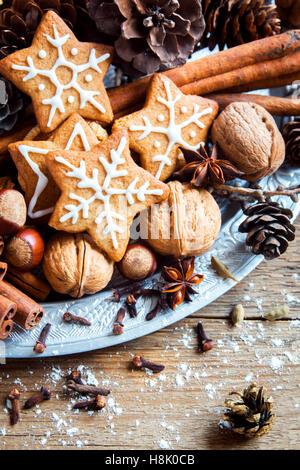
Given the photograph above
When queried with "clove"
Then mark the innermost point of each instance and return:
(88, 389)
(75, 376)
(14, 408)
(131, 305)
(43, 394)
(118, 324)
(139, 362)
(118, 293)
(70, 318)
(41, 342)
(98, 403)
(204, 343)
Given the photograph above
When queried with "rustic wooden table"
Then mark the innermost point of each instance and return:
(181, 407)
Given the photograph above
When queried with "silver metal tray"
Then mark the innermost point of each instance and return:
(101, 310)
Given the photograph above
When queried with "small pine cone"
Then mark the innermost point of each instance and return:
(269, 229)
(291, 135)
(148, 35)
(12, 105)
(234, 22)
(19, 20)
(249, 412)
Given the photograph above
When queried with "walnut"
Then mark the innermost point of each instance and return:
(75, 266)
(248, 137)
(187, 223)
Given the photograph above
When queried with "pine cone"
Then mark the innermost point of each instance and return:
(19, 20)
(250, 412)
(269, 229)
(291, 135)
(149, 36)
(234, 22)
(12, 105)
(289, 12)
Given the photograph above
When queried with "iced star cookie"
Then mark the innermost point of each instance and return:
(41, 191)
(168, 121)
(102, 191)
(61, 74)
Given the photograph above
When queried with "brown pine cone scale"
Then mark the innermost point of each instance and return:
(269, 229)
(291, 135)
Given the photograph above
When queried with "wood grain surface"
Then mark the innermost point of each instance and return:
(181, 407)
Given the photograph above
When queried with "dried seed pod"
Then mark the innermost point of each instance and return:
(221, 269)
(275, 313)
(237, 314)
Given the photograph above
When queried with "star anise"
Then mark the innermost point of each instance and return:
(203, 168)
(180, 281)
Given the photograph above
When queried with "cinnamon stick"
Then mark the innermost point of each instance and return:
(7, 312)
(29, 313)
(262, 50)
(273, 104)
(3, 268)
(29, 283)
(243, 76)
(276, 82)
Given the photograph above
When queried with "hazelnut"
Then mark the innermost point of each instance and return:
(248, 137)
(187, 223)
(138, 262)
(13, 211)
(74, 265)
(25, 250)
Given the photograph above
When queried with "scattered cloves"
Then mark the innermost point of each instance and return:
(70, 318)
(14, 408)
(139, 362)
(41, 342)
(118, 293)
(43, 394)
(98, 403)
(87, 389)
(118, 324)
(204, 343)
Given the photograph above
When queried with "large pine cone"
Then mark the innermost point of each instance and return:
(234, 22)
(289, 11)
(249, 412)
(149, 35)
(291, 135)
(12, 105)
(269, 229)
(19, 20)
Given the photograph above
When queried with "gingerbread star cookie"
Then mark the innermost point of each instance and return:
(168, 121)
(61, 74)
(41, 192)
(102, 191)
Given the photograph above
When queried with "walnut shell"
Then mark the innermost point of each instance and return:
(75, 266)
(187, 223)
(248, 137)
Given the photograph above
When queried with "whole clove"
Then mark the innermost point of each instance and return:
(118, 293)
(204, 343)
(118, 324)
(75, 376)
(98, 403)
(140, 363)
(14, 408)
(131, 305)
(42, 395)
(41, 342)
(70, 318)
(87, 389)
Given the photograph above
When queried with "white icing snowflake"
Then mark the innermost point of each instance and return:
(174, 130)
(86, 96)
(105, 191)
